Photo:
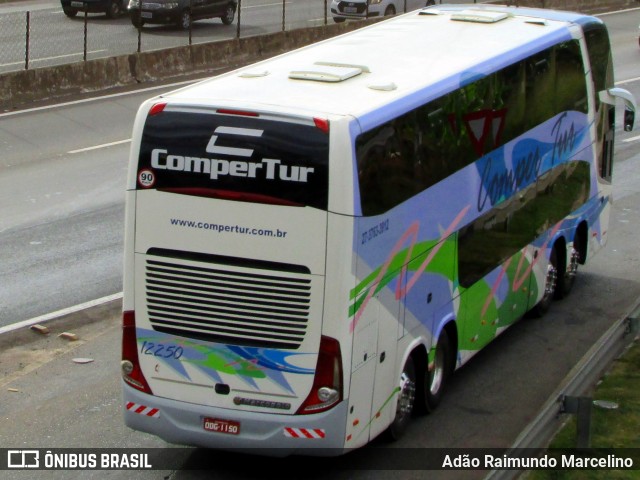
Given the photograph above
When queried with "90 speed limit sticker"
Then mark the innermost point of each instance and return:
(146, 178)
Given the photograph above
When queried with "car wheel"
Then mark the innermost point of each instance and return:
(391, 10)
(115, 10)
(406, 401)
(338, 19)
(69, 12)
(430, 3)
(229, 15)
(185, 20)
(136, 21)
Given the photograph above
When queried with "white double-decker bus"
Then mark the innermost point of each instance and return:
(315, 242)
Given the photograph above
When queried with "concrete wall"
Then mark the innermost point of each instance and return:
(22, 88)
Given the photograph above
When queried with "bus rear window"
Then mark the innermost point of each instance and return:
(235, 157)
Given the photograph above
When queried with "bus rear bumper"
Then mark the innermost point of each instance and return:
(183, 423)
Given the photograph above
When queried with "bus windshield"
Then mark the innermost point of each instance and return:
(235, 157)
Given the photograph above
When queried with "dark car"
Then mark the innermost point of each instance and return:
(181, 12)
(112, 8)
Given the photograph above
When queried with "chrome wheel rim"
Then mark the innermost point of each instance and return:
(437, 373)
(550, 283)
(407, 396)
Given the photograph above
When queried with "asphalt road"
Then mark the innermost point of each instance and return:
(49, 401)
(62, 172)
(55, 191)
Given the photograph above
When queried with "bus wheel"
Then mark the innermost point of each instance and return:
(566, 281)
(550, 286)
(406, 401)
(435, 378)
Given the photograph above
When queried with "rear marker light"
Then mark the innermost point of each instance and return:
(157, 108)
(322, 124)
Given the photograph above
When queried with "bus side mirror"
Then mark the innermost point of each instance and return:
(609, 96)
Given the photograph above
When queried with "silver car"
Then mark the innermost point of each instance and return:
(344, 9)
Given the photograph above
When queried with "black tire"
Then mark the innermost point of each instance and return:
(430, 3)
(115, 9)
(229, 15)
(436, 378)
(568, 279)
(406, 401)
(550, 287)
(70, 12)
(391, 10)
(338, 19)
(136, 21)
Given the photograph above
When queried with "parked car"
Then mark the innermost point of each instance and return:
(112, 8)
(180, 12)
(341, 10)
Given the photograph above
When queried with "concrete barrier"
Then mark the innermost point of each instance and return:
(19, 89)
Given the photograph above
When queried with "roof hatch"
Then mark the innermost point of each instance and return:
(328, 72)
(479, 16)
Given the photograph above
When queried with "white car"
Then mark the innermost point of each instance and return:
(344, 9)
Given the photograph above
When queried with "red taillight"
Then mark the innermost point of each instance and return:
(157, 108)
(327, 383)
(131, 372)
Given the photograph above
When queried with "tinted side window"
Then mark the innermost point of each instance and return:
(600, 59)
(500, 233)
(405, 156)
(599, 48)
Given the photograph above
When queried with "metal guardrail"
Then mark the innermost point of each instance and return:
(537, 435)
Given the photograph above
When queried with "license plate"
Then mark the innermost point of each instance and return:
(219, 425)
(77, 4)
(146, 15)
(350, 10)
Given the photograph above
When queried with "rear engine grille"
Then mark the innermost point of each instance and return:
(217, 304)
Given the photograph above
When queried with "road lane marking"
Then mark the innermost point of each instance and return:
(247, 7)
(167, 86)
(44, 59)
(60, 313)
(97, 147)
(631, 139)
(629, 80)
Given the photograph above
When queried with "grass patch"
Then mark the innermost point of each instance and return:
(610, 429)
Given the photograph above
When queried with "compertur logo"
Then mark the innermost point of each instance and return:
(267, 168)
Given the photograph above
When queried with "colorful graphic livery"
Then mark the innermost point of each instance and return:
(314, 243)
